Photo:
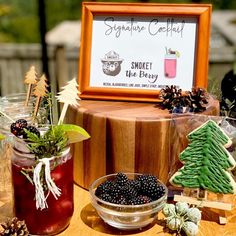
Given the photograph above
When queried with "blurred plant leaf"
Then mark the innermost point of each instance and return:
(2, 137)
(234, 67)
(4, 10)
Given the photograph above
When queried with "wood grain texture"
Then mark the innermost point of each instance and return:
(85, 221)
(128, 137)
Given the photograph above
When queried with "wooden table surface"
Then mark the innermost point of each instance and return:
(86, 222)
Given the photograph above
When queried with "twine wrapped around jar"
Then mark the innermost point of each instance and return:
(41, 199)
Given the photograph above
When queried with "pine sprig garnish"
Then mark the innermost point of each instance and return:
(52, 143)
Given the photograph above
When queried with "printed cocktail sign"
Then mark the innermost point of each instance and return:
(136, 55)
(146, 53)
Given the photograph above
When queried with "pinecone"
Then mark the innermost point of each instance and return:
(177, 102)
(171, 98)
(198, 98)
(14, 227)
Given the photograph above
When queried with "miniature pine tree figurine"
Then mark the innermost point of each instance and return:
(40, 91)
(68, 96)
(30, 79)
(207, 163)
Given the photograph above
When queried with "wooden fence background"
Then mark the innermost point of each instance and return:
(63, 54)
(15, 60)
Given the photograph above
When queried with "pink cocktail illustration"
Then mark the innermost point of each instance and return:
(170, 64)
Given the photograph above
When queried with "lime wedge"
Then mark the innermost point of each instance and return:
(2, 136)
(75, 133)
(177, 53)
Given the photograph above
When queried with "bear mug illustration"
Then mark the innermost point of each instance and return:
(111, 63)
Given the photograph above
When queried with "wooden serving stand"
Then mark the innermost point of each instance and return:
(219, 203)
(127, 137)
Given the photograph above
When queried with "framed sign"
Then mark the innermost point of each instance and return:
(129, 51)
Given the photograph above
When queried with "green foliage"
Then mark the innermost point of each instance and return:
(2, 137)
(19, 21)
(214, 87)
(52, 143)
(4, 9)
(63, 10)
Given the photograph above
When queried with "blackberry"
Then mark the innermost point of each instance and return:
(147, 178)
(129, 191)
(146, 199)
(103, 188)
(121, 179)
(31, 129)
(122, 200)
(134, 183)
(152, 178)
(153, 190)
(17, 128)
(143, 199)
(21, 124)
(115, 190)
(142, 179)
(119, 200)
(140, 200)
(122, 190)
(106, 197)
(14, 129)
(133, 201)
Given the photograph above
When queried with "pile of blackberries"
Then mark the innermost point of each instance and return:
(18, 129)
(144, 189)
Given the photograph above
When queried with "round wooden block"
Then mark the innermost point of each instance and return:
(128, 137)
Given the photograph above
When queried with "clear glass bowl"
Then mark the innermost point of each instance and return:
(126, 217)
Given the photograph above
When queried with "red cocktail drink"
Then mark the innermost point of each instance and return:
(56, 217)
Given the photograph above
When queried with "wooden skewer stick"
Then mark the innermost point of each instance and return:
(8, 117)
(36, 108)
(203, 203)
(63, 113)
(28, 95)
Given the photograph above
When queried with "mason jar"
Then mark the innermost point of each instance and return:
(13, 107)
(51, 216)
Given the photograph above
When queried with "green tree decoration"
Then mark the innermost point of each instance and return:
(206, 161)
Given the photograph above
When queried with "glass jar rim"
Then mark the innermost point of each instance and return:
(15, 95)
(20, 147)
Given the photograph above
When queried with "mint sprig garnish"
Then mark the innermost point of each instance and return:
(51, 143)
